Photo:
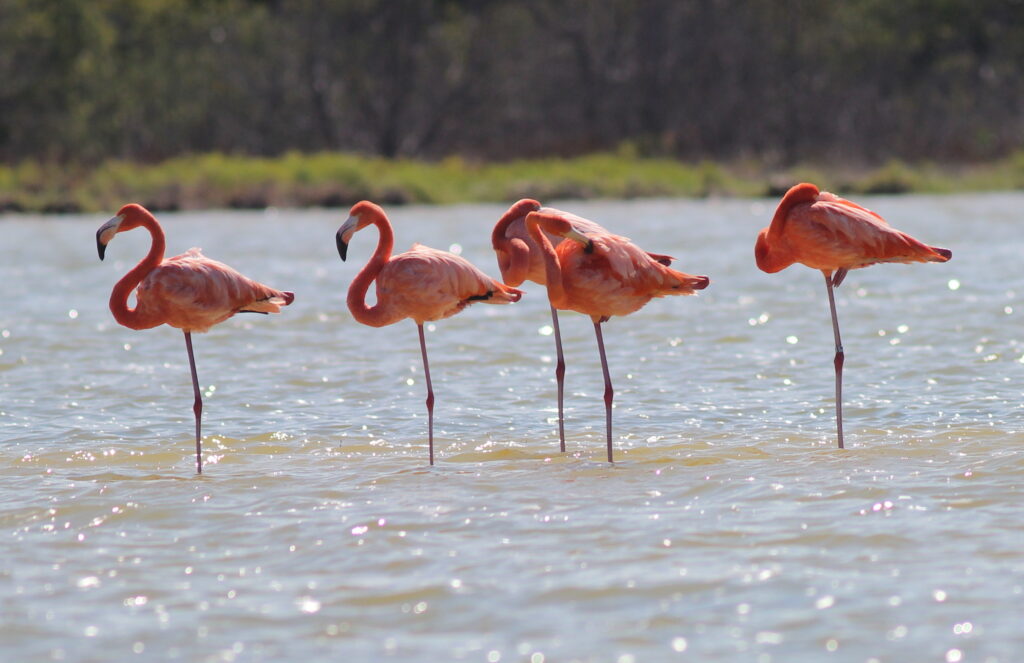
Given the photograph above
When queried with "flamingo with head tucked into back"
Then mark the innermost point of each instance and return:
(424, 284)
(520, 259)
(601, 275)
(826, 232)
(189, 292)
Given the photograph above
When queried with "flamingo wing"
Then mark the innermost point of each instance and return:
(617, 277)
(834, 233)
(428, 284)
(193, 292)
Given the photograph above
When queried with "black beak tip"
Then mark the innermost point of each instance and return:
(101, 248)
(342, 247)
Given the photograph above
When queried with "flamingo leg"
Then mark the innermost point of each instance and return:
(197, 406)
(840, 357)
(430, 394)
(560, 377)
(608, 392)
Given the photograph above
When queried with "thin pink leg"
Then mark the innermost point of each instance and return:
(560, 377)
(608, 393)
(430, 394)
(840, 357)
(197, 407)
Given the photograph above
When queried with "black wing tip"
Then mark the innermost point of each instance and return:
(945, 253)
(661, 259)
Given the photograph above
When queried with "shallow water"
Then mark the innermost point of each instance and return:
(729, 528)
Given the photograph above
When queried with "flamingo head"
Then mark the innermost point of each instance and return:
(558, 225)
(761, 248)
(770, 259)
(361, 215)
(513, 261)
(566, 230)
(128, 217)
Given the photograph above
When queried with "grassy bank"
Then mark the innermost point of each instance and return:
(338, 180)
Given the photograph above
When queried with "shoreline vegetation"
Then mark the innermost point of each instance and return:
(337, 179)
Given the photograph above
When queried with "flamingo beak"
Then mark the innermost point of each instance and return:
(577, 236)
(344, 235)
(106, 233)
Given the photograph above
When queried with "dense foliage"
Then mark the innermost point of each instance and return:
(786, 81)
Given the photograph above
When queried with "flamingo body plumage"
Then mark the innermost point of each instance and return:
(189, 292)
(834, 235)
(422, 284)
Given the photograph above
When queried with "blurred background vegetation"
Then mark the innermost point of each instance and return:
(308, 102)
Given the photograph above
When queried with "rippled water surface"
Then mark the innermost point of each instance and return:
(729, 528)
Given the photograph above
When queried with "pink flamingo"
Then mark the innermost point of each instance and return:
(601, 275)
(423, 284)
(520, 259)
(826, 232)
(189, 292)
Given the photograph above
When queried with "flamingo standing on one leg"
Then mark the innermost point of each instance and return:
(520, 259)
(423, 284)
(190, 292)
(601, 275)
(826, 232)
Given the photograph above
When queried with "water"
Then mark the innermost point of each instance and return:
(729, 529)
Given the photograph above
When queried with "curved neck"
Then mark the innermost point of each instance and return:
(518, 211)
(373, 316)
(498, 238)
(801, 193)
(552, 268)
(513, 253)
(130, 317)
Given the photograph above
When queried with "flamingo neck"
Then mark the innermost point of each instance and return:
(552, 267)
(801, 193)
(498, 238)
(772, 250)
(375, 316)
(513, 253)
(132, 317)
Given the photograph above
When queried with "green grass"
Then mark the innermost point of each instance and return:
(339, 179)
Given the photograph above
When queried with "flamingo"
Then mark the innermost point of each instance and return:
(826, 232)
(601, 275)
(520, 259)
(189, 292)
(423, 284)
